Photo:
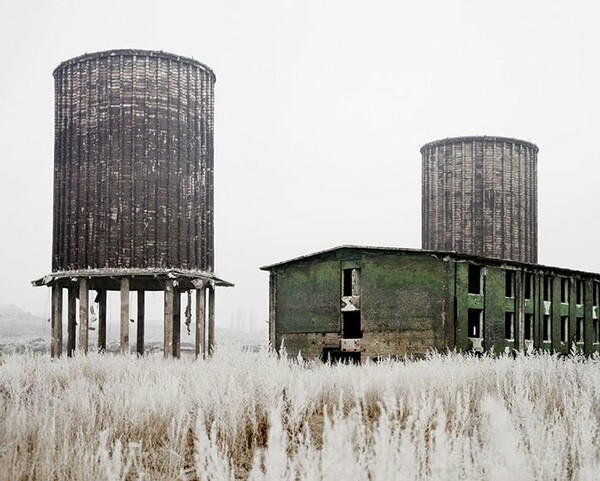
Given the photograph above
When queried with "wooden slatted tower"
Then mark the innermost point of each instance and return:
(133, 192)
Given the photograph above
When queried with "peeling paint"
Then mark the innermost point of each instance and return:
(547, 308)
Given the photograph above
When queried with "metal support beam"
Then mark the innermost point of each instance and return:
(141, 319)
(124, 331)
(168, 319)
(71, 321)
(211, 319)
(101, 321)
(200, 321)
(83, 314)
(56, 344)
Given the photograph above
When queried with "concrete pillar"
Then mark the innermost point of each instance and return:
(124, 331)
(56, 343)
(168, 321)
(83, 314)
(71, 321)
(101, 320)
(200, 321)
(176, 322)
(141, 319)
(211, 319)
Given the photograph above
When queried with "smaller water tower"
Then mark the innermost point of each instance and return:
(480, 197)
(133, 193)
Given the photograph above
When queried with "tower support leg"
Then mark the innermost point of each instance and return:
(83, 314)
(101, 320)
(168, 319)
(200, 321)
(141, 319)
(176, 323)
(211, 319)
(71, 321)
(56, 344)
(124, 331)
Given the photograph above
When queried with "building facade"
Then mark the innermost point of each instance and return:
(359, 303)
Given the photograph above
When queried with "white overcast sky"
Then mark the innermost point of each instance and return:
(321, 108)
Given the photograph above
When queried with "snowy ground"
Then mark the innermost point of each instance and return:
(256, 416)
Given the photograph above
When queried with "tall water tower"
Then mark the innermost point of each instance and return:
(480, 197)
(133, 191)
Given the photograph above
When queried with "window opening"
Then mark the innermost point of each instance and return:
(475, 323)
(509, 285)
(509, 325)
(579, 291)
(351, 328)
(564, 291)
(579, 327)
(564, 329)
(547, 288)
(596, 331)
(528, 334)
(596, 293)
(528, 285)
(547, 329)
(350, 282)
(474, 279)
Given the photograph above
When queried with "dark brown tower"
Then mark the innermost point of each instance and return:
(133, 193)
(133, 162)
(480, 197)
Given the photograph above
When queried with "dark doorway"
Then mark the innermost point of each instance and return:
(351, 328)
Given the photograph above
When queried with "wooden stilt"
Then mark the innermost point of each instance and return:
(124, 331)
(200, 321)
(56, 344)
(168, 322)
(71, 321)
(101, 321)
(176, 323)
(141, 319)
(83, 314)
(211, 319)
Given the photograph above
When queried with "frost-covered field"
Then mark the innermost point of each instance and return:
(244, 415)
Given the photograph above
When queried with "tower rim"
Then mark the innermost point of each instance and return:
(134, 52)
(473, 138)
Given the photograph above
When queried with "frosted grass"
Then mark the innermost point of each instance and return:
(256, 416)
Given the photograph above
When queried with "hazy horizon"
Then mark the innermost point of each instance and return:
(317, 102)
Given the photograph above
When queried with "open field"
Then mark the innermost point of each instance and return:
(255, 416)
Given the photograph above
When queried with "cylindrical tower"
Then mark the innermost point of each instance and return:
(480, 197)
(133, 162)
(133, 195)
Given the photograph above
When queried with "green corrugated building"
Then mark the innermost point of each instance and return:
(357, 303)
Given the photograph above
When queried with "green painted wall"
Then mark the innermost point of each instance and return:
(411, 302)
(403, 293)
(308, 297)
(495, 308)
(462, 306)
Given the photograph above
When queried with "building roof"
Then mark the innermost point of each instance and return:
(439, 254)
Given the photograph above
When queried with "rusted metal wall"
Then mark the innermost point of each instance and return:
(133, 162)
(480, 197)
